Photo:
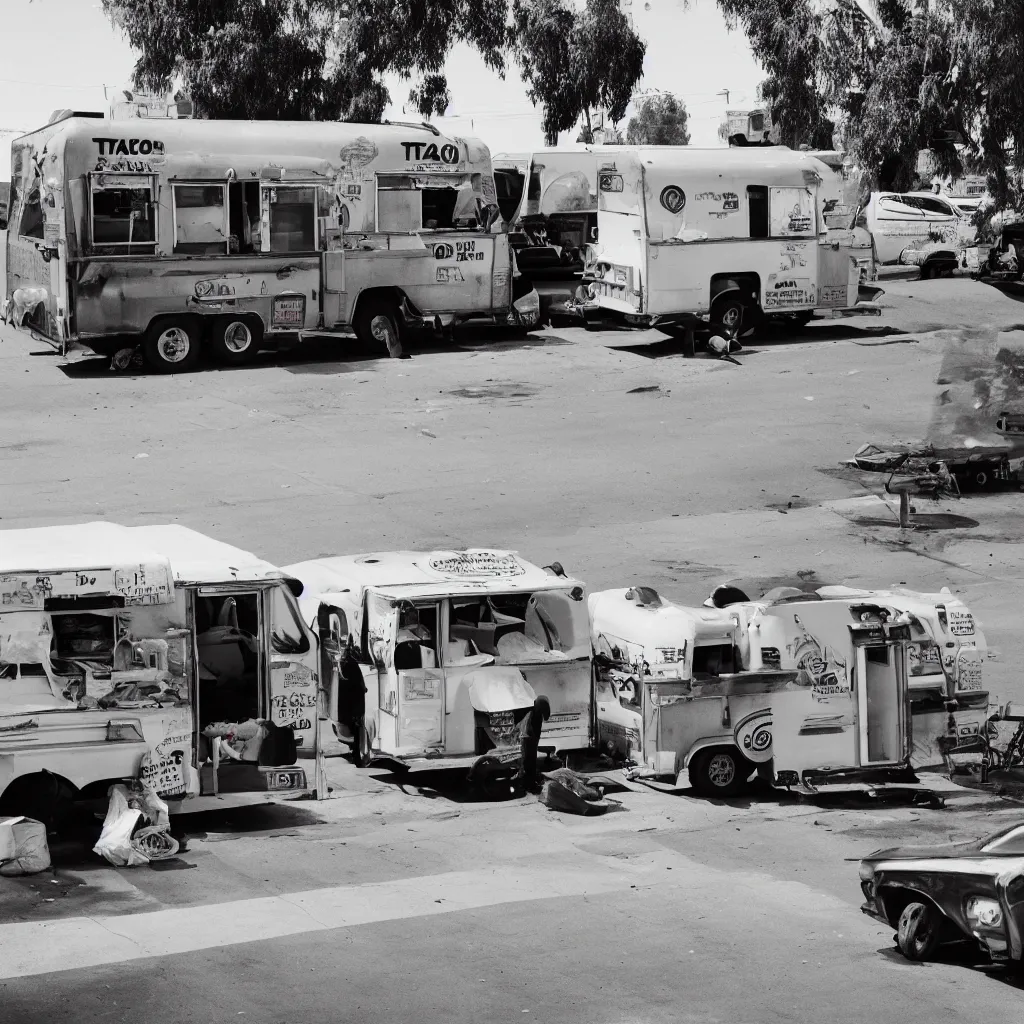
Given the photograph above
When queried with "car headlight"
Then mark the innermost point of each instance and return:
(867, 871)
(983, 912)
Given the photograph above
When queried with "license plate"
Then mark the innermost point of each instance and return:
(294, 778)
(289, 311)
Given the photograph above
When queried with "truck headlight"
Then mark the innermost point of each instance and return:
(983, 912)
(867, 872)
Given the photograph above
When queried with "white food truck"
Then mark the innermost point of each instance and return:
(732, 235)
(453, 649)
(179, 235)
(549, 199)
(805, 690)
(153, 653)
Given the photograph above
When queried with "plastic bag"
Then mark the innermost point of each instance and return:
(115, 842)
(31, 852)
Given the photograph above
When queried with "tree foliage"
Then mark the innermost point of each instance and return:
(574, 60)
(895, 77)
(659, 121)
(326, 59)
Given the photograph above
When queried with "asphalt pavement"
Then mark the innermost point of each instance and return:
(629, 463)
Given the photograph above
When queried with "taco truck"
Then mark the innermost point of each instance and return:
(179, 235)
(453, 649)
(731, 235)
(146, 653)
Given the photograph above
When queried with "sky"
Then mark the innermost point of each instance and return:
(689, 53)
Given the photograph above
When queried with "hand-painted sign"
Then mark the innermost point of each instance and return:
(476, 563)
(673, 198)
(128, 147)
(429, 152)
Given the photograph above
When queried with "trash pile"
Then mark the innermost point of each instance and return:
(566, 790)
(23, 847)
(137, 828)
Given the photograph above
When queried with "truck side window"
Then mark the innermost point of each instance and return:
(123, 212)
(399, 209)
(32, 216)
(292, 219)
(757, 203)
(200, 220)
(287, 635)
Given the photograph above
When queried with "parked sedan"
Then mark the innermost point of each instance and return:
(937, 894)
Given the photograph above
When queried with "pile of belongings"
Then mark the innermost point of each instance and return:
(23, 848)
(919, 467)
(566, 790)
(137, 828)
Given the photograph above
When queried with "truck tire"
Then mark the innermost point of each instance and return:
(729, 311)
(236, 339)
(377, 324)
(172, 346)
(919, 931)
(720, 772)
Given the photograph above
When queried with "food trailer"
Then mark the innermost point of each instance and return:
(453, 650)
(152, 653)
(182, 235)
(731, 235)
(949, 703)
(805, 691)
(673, 695)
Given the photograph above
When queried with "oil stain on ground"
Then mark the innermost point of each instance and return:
(496, 390)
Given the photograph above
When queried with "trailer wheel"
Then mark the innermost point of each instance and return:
(919, 931)
(172, 346)
(719, 772)
(236, 339)
(981, 478)
(377, 323)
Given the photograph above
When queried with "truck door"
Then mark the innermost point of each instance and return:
(882, 698)
(381, 629)
(289, 225)
(294, 676)
(814, 720)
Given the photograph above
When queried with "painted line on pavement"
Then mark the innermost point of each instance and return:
(45, 947)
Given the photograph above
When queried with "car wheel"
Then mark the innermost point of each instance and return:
(378, 325)
(172, 346)
(236, 339)
(721, 772)
(919, 931)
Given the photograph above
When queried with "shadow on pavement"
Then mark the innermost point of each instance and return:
(335, 355)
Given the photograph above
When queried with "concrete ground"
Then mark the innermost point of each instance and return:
(613, 454)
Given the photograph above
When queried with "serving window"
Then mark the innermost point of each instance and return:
(123, 212)
(201, 219)
(291, 213)
(407, 204)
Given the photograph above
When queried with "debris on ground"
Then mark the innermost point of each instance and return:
(23, 847)
(566, 790)
(136, 829)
